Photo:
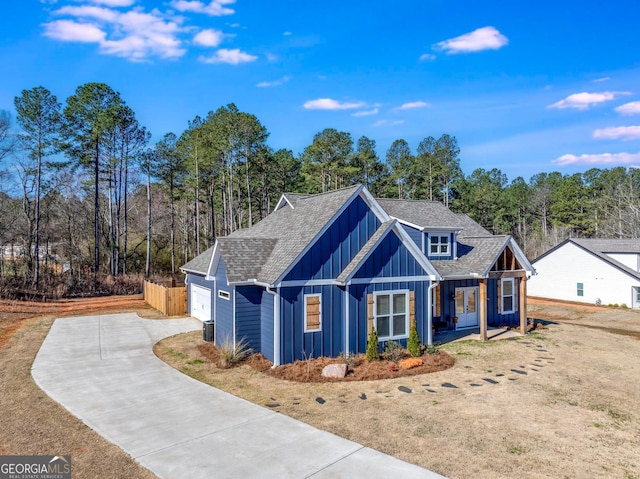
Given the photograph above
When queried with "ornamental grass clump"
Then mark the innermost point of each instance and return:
(230, 354)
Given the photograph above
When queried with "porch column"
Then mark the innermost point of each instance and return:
(483, 309)
(523, 305)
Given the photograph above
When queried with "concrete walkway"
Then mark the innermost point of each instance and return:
(102, 369)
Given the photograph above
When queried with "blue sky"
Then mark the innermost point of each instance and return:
(525, 86)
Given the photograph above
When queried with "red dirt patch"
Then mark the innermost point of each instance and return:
(310, 371)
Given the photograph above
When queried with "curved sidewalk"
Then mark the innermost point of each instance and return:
(103, 370)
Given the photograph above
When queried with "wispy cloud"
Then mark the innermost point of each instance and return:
(387, 123)
(208, 38)
(215, 8)
(287, 34)
(600, 80)
(598, 159)
(267, 84)
(624, 133)
(231, 56)
(413, 105)
(631, 108)
(485, 38)
(329, 104)
(583, 100)
(365, 113)
(114, 3)
(427, 57)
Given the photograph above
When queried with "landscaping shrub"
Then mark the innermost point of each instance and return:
(413, 344)
(373, 346)
(230, 355)
(393, 351)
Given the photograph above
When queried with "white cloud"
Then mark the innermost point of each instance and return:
(70, 31)
(631, 108)
(600, 80)
(133, 34)
(598, 159)
(583, 100)
(267, 84)
(427, 57)
(485, 38)
(208, 38)
(231, 56)
(114, 3)
(387, 123)
(215, 8)
(286, 34)
(618, 133)
(412, 105)
(365, 113)
(329, 104)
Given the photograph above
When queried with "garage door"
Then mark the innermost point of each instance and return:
(200, 302)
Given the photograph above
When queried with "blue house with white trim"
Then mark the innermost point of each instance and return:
(312, 278)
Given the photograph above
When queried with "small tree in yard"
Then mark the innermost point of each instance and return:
(413, 344)
(373, 345)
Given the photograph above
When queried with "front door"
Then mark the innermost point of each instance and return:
(467, 307)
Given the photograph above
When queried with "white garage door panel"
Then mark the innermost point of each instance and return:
(200, 302)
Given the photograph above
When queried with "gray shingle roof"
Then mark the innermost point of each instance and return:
(199, 264)
(420, 213)
(267, 249)
(471, 228)
(476, 255)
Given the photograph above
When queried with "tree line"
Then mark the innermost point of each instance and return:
(88, 194)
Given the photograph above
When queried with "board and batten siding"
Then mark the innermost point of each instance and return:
(337, 246)
(559, 272)
(266, 325)
(298, 345)
(414, 234)
(391, 258)
(248, 312)
(224, 307)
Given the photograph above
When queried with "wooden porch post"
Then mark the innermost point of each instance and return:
(483, 309)
(523, 305)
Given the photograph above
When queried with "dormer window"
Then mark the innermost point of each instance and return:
(439, 245)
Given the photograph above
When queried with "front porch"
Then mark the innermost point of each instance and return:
(474, 334)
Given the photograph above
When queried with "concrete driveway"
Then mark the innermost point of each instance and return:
(103, 370)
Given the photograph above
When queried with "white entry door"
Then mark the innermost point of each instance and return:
(200, 302)
(467, 307)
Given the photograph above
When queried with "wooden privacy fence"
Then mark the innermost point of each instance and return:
(168, 297)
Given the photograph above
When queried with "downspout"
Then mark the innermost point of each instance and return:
(276, 325)
(432, 286)
(346, 321)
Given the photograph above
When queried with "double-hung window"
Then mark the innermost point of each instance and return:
(508, 295)
(439, 245)
(392, 314)
(580, 289)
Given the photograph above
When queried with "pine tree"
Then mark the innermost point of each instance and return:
(373, 346)
(413, 343)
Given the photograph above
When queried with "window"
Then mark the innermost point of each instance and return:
(508, 295)
(580, 289)
(224, 295)
(392, 314)
(312, 313)
(438, 245)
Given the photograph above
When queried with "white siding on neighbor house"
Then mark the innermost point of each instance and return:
(631, 260)
(559, 273)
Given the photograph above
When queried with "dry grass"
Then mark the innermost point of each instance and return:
(32, 423)
(561, 402)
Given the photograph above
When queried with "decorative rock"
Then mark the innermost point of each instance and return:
(410, 363)
(335, 371)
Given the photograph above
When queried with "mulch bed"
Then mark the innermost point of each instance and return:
(310, 371)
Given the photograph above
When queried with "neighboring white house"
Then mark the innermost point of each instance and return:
(596, 271)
